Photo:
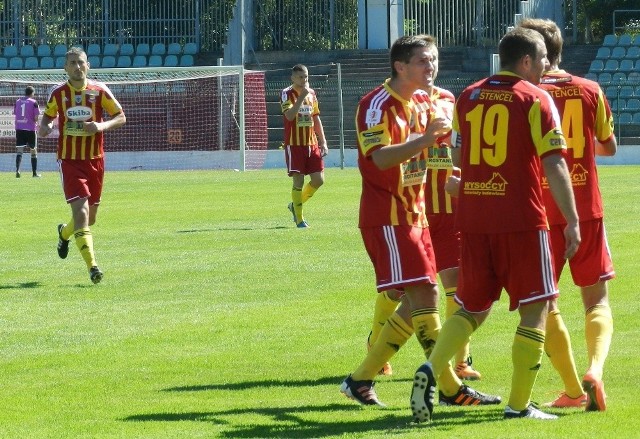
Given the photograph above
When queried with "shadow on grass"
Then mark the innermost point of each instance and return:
(293, 422)
(259, 384)
(22, 286)
(226, 229)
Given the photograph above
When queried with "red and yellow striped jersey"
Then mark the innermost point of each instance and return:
(73, 107)
(300, 131)
(585, 116)
(393, 196)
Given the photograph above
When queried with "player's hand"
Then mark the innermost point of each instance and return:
(92, 127)
(438, 127)
(452, 186)
(324, 150)
(44, 130)
(572, 240)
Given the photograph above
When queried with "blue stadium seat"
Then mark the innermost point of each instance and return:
(26, 51)
(124, 61)
(617, 104)
(633, 53)
(618, 52)
(60, 61)
(625, 119)
(611, 66)
(174, 49)
(109, 49)
(633, 104)
(190, 49)
(603, 53)
(610, 40)
(596, 66)
(158, 49)
(611, 92)
(10, 51)
(155, 61)
(108, 61)
(636, 118)
(626, 66)
(139, 61)
(94, 61)
(591, 76)
(636, 40)
(4, 63)
(46, 62)
(171, 61)
(43, 50)
(624, 40)
(604, 78)
(619, 77)
(60, 50)
(31, 63)
(637, 67)
(16, 63)
(143, 49)
(634, 77)
(186, 60)
(626, 92)
(127, 49)
(94, 50)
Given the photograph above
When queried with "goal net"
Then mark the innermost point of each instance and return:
(177, 118)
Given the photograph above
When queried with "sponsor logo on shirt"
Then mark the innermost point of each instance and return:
(495, 186)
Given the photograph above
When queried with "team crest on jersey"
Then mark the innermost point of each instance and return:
(78, 99)
(91, 95)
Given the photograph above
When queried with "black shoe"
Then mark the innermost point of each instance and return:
(423, 392)
(361, 391)
(468, 396)
(63, 244)
(530, 412)
(17, 174)
(95, 274)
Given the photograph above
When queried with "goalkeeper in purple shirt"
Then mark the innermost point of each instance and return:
(26, 113)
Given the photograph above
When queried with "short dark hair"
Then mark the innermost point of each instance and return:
(299, 68)
(29, 91)
(75, 50)
(516, 44)
(402, 49)
(551, 34)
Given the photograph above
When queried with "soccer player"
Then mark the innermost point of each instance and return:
(26, 112)
(304, 141)
(395, 126)
(588, 127)
(80, 104)
(440, 207)
(507, 131)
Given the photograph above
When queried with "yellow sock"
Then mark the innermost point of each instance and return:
(526, 352)
(598, 330)
(296, 197)
(307, 192)
(384, 307)
(393, 336)
(454, 333)
(68, 230)
(557, 346)
(451, 308)
(84, 242)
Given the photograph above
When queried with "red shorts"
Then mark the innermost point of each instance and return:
(519, 262)
(82, 179)
(592, 263)
(401, 256)
(445, 240)
(303, 160)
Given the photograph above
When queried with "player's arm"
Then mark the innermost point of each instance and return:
(116, 121)
(557, 173)
(291, 113)
(608, 148)
(46, 125)
(319, 130)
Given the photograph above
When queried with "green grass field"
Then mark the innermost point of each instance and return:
(218, 318)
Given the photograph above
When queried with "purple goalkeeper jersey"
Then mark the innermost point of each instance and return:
(26, 111)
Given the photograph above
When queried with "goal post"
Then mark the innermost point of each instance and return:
(211, 117)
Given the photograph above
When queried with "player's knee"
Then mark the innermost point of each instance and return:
(34, 153)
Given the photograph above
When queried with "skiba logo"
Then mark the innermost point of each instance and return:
(79, 113)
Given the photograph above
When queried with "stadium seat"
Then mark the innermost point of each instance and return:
(603, 53)
(190, 49)
(158, 49)
(155, 61)
(124, 61)
(26, 51)
(619, 77)
(625, 119)
(46, 62)
(43, 50)
(16, 63)
(604, 78)
(618, 52)
(633, 53)
(636, 118)
(637, 68)
(94, 61)
(626, 66)
(597, 66)
(93, 50)
(610, 40)
(633, 104)
(139, 61)
(626, 92)
(174, 49)
(612, 92)
(634, 77)
(4, 63)
(592, 76)
(60, 61)
(109, 49)
(186, 60)
(60, 50)
(171, 61)
(108, 61)
(127, 49)
(617, 104)
(143, 49)
(636, 40)
(10, 51)
(624, 40)
(31, 63)
(611, 66)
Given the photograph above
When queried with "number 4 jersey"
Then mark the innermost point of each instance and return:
(504, 125)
